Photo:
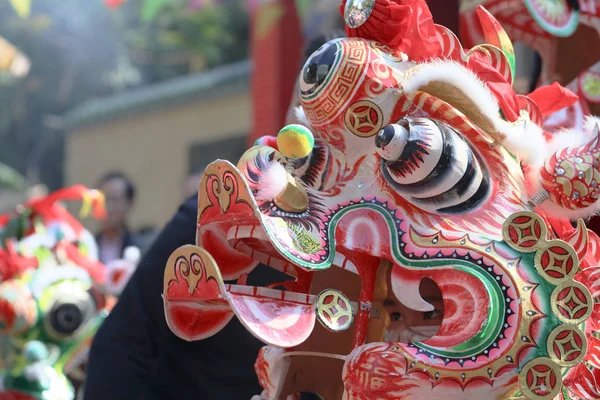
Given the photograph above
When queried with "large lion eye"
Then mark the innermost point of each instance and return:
(391, 141)
(318, 67)
(69, 309)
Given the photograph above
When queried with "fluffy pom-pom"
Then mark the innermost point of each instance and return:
(295, 141)
(272, 182)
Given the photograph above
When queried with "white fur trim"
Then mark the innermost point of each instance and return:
(526, 140)
(557, 211)
(589, 125)
(273, 182)
(454, 74)
(573, 137)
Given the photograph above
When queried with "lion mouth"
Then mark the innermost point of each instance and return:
(205, 286)
(281, 313)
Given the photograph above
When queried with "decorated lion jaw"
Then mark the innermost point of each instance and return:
(416, 171)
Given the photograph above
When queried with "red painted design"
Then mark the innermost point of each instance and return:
(582, 382)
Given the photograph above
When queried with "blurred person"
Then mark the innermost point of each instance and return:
(136, 356)
(115, 236)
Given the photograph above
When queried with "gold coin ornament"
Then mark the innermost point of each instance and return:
(540, 379)
(567, 345)
(334, 310)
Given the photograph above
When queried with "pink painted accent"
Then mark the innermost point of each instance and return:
(276, 322)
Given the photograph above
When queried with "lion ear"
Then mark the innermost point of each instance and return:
(463, 103)
(460, 88)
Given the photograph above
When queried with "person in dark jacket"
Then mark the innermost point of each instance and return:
(135, 355)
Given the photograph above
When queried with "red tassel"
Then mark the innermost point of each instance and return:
(48, 209)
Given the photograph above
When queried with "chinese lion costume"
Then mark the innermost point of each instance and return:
(416, 162)
(54, 295)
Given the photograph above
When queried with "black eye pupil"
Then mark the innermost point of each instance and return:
(385, 136)
(66, 318)
(396, 316)
(310, 74)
